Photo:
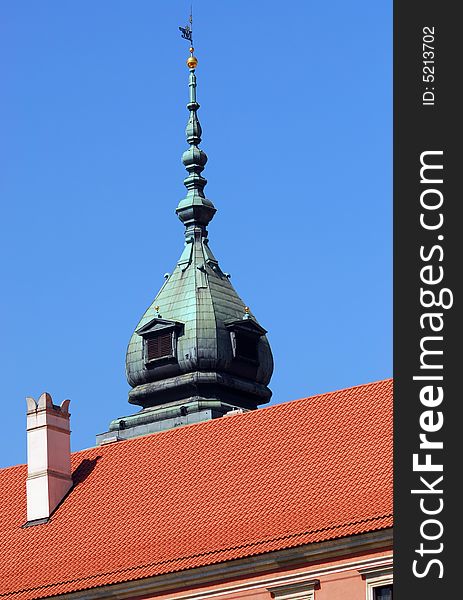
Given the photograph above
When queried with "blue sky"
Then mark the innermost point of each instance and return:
(296, 111)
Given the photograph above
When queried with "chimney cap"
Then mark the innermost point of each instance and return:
(45, 401)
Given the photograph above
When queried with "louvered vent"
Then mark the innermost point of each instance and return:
(159, 346)
(246, 346)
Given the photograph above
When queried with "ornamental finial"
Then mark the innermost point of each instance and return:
(195, 210)
(192, 61)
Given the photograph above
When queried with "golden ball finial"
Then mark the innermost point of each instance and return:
(247, 310)
(192, 61)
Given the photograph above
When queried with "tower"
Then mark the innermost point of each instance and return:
(198, 352)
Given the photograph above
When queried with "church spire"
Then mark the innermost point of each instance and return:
(195, 210)
(198, 352)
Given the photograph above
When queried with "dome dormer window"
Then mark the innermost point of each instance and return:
(245, 335)
(159, 340)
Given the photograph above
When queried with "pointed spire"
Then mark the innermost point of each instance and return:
(195, 210)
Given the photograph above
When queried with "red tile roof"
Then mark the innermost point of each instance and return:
(304, 471)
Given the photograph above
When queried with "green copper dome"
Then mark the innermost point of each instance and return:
(198, 341)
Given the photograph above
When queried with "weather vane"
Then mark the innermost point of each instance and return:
(187, 31)
(187, 34)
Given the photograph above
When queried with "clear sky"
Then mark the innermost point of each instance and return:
(297, 124)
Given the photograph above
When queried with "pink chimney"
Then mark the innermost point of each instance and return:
(48, 456)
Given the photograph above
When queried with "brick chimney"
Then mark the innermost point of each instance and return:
(48, 456)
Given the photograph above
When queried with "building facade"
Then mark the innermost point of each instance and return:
(199, 493)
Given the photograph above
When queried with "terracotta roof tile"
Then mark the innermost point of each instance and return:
(305, 471)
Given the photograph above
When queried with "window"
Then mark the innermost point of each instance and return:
(245, 335)
(246, 346)
(378, 582)
(159, 346)
(159, 338)
(382, 592)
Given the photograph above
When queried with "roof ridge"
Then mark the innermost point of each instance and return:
(337, 391)
(251, 413)
(214, 422)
